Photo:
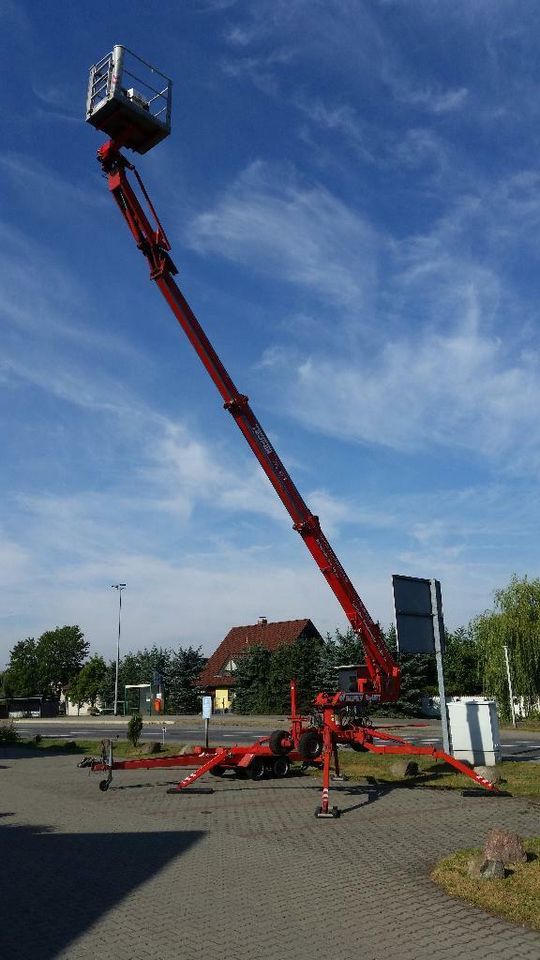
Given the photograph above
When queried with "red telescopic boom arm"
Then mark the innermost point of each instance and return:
(380, 676)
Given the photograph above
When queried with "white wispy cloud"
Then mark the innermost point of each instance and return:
(430, 99)
(458, 389)
(451, 378)
(269, 221)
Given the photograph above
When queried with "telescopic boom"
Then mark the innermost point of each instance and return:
(379, 677)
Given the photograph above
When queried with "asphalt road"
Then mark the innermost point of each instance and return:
(175, 733)
(515, 745)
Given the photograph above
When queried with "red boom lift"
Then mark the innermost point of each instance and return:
(138, 118)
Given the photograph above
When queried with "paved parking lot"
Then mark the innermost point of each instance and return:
(247, 872)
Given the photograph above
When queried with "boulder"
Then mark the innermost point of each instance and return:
(481, 868)
(476, 866)
(493, 870)
(404, 768)
(504, 845)
(151, 746)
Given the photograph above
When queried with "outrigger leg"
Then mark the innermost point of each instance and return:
(214, 761)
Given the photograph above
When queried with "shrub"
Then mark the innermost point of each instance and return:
(8, 732)
(135, 726)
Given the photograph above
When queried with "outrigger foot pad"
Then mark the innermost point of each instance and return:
(332, 814)
(190, 790)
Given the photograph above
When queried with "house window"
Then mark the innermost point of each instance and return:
(228, 668)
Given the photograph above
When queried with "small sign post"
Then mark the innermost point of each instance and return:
(420, 628)
(207, 713)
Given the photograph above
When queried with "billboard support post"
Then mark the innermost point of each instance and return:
(435, 610)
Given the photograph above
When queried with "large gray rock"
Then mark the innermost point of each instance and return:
(504, 845)
(481, 868)
(494, 870)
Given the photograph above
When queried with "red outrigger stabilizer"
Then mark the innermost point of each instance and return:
(303, 742)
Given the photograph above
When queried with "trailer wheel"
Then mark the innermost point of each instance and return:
(104, 785)
(280, 742)
(217, 771)
(257, 769)
(310, 745)
(359, 747)
(280, 767)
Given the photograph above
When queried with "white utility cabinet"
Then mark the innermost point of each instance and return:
(474, 731)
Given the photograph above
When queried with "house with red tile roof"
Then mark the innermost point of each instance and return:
(218, 677)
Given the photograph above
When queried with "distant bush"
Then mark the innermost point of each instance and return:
(134, 730)
(8, 732)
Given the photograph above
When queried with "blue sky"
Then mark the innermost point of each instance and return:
(351, 190)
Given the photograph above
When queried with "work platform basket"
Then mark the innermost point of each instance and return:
(129, 100)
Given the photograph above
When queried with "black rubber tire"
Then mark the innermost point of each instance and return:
(217, 771)
(280, 767)
(104, 785)
(358, 747)
(241, 773)
(276, 744)
(257, 769)
(310, 745)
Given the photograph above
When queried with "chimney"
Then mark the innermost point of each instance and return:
(262, 620)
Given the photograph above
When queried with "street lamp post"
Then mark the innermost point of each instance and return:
(119, 587)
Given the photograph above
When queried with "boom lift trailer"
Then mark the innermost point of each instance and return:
(116, 110)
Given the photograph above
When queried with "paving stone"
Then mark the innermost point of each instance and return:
(136, 873)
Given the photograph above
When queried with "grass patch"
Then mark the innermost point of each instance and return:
(520, 779)
(516, 898)
(92, 748)
(522, 726)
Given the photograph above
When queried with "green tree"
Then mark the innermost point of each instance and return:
(462, 673)
(252, 672)
(179, 670)
(22, 676)
(86, 687)
(303, 661)
(514, 622)
(340, 649)
(60, 655)
(418, 677)
(181, 681)
(106, 688)
(137, 667)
